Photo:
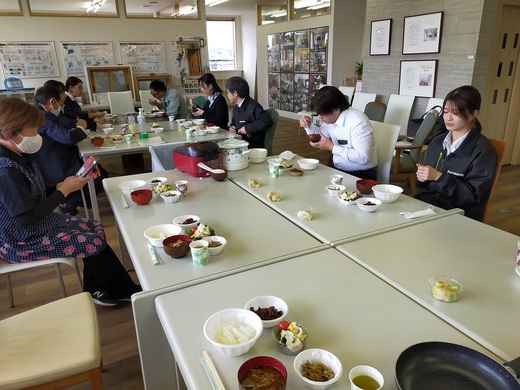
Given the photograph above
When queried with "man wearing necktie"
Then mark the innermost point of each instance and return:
(249, 118)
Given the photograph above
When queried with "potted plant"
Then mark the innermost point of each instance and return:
(358, 69)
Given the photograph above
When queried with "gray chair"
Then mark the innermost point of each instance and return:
(407, 153)
(269, 134)
(375, 111)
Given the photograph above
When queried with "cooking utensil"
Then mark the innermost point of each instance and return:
(439, 365)
(216, 171)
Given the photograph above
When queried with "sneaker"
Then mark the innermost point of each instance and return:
(125, 299)
(101, 298)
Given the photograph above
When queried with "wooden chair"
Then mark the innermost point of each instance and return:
(398, 111)
(52, 346)
(404, 164)
(385, 136)
(8, 268)
(499, 146)
(375, 111)
(269, 135)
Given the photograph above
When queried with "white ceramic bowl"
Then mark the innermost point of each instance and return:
(256, 159)
(387, 193)
(215, 250)
(170, 196)
(108, 130)
(258, 152)
(153, 181)
(308, 163)
(212, 129)
(187, 226)
(335, 189)
(150, 115)
(157, 130)
(131, 185)
(215, 324)
(198, 121)
(117, 140)
(316, 355)
(201, 132)
(156, 234)
(266, 301)
(369, 209)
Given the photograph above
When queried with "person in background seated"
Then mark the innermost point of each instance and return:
(59, 156)
(459, 168)
(249, 118)
(29, 228)
(345, 131)
(72, 110)
(215, 110)
(169, 100)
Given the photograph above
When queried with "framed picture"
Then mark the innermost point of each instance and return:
(422, 33)
(418, 77)
(380, 37)
(142, 82)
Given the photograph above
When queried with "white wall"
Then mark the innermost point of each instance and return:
(58, 29)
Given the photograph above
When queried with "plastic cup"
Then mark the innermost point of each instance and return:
(182, 186)
(199, 252)
(128, 138)
(171, 118)
(336, 179)
(274, 170)
(143, 135)
(360, 375)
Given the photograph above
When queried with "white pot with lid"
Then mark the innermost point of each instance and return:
(235, 155)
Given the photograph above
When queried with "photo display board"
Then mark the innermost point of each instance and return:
(297, 67)
(144, 57)
(28, 60)
(77, 55)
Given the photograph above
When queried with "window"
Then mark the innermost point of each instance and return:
(221, 44)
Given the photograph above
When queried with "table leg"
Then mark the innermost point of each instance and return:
(93, 200)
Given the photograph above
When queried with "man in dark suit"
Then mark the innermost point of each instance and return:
(249, 119)
(59, 156)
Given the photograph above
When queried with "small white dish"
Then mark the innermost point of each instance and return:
(266, 301)
(170, 196)
(362, 204)
(157, 130)
(308, 164)
(335, 189)
(215, 250)
(212, 129)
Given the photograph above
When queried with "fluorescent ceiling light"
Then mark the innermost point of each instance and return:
(95, 5)
(211, 3)
(267, 22)
(318, 6)
(279, 15)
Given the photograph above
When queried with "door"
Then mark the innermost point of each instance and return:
(194, 62)
(500, 112)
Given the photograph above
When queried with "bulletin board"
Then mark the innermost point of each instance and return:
(77, 55)
(26, 60)
(144, 57)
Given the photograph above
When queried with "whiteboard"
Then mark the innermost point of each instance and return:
(28, 59)
(77, 55)
(144, 57)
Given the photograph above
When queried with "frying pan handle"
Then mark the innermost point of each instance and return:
(514, 366)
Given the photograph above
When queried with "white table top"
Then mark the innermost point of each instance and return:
(479, 256)
(333, 222)
(255, 233)
(348, 311)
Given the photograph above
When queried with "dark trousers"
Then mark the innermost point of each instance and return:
(370, 173)
(104, 272)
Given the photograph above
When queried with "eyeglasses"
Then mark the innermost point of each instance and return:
(154, 94)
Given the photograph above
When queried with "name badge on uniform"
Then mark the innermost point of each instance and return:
(342, 142)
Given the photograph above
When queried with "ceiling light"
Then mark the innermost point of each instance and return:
(95, 5)
(211, 3)
(279, 15)
(318, 6)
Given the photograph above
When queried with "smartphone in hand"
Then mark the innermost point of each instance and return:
(87, 167)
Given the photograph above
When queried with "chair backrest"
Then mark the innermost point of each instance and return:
(499, 146)
(424, 131)
(361, 99)
(144, 96)
(348, 92)
(385, 136)
(200, 101)
(184, 110)
(398, 111)
(432, 102)
(121, 102)
(161, 157)
(375, 111)
(269, 134)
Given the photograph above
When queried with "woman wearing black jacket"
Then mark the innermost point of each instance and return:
(459, 167)
(215, 110)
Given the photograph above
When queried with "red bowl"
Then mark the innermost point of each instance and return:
(219, 176)
(177, 251)
(97, 141)
(314, 137)
(263, 361)
(365, 186)
(141, 197)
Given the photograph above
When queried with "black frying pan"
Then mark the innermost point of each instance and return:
(438, 365)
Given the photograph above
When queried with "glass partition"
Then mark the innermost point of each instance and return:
(309, 8)
(270, 14)
(10, 8)
(93, 8)
(176, 9)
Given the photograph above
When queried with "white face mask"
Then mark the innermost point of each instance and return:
(29, 145)
(56, 111)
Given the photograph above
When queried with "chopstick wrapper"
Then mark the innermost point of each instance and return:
(211, 371)
(419, 214)
(153, 253)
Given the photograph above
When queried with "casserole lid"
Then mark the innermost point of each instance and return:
(232, 143)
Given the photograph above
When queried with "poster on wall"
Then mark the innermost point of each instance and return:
(77, 55)
(418, 78)
(25, 60)
(422, 33)
(297, 67)
(144, 57)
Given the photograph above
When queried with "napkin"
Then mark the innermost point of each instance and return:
(419, 214)
(287, 155)
(151, 141)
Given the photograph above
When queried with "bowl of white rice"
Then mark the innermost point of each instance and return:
(233, 332)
